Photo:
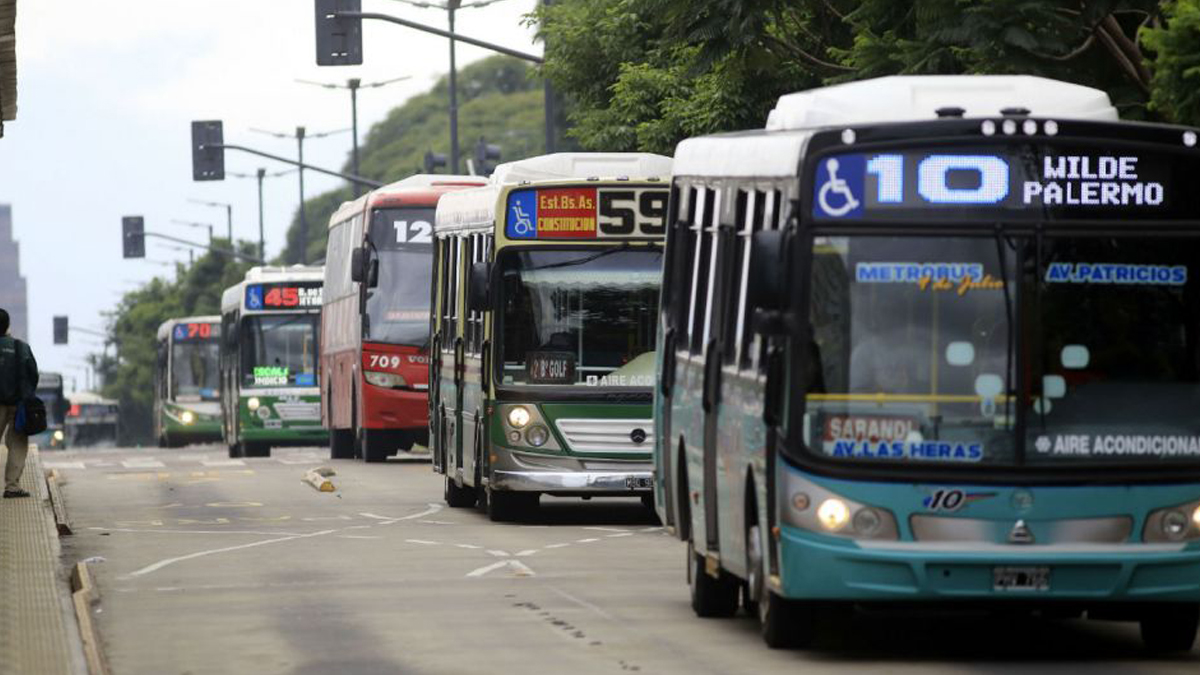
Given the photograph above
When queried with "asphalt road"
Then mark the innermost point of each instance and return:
(211, 565)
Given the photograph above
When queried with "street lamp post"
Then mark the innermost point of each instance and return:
(228, 215)
(353, 85)
(300, 135)
(191, 223)
(260, 174)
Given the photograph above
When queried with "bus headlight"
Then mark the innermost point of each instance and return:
(1173, 524)
(834, 514)
(58, 436)
(253, 403)
(385, 380)
(187, 417)
(518, 416)
(537, 435)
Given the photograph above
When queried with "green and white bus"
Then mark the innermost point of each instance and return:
(936, 340)
(269, 353)
(543, 330)
(187, 390)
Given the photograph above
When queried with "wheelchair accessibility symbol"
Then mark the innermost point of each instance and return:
(835, 197)
(522, 215)
(838, 186)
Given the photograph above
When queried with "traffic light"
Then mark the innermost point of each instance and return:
(60, 330)
(133, 237)
(486, 157)
(208, 151)
(434, 160)
(339, 40)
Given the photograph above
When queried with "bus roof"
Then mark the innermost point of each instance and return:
(418, 187)
(478, 206)
(777, 150)
(91, 398)
(47, 379)
(164, 329)
(232, 297)
(907, 98)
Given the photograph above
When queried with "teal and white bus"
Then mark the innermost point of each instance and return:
(187, 392)
(270, 395)
(936, 340)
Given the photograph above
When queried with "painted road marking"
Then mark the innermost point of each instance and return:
(200, 554)
(162, 531)
(423, 541)
(63, 465)
(498, 553)
(223, 462)
(556, 546)
(142, 463)
(519, 568)
(586, 541)
(528, 551)
(607, 529)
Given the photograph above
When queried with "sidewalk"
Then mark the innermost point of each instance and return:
(38, 631)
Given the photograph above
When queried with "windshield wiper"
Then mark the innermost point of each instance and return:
(583, 261)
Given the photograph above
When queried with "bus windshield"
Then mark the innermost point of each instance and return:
(580, 317)
(1116, 351)
(55, 405)
(279, 350)
(194, 371)
(911, 349)
(397, 308)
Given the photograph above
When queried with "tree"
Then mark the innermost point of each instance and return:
(645, 74)
(128, 375)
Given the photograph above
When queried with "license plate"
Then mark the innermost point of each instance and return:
(636, 483)
(1020, 579)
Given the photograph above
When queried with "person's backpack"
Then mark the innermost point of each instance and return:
(31, 416)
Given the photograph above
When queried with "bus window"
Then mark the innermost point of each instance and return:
(194, 371)
(885, 313)
(580, 317)
(279, 351)
(398, 306)
(1117, 362)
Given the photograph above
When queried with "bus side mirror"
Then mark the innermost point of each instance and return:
(477, 293)
(372, 272)
(357, 265)
(767, 269)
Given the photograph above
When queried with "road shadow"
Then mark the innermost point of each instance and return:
(576, 511)
(975, 638)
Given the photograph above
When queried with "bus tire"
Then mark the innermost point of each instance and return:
(784, 624)
(255, 449)
(235, 450)
(458, 497)
(373, 447)
(341, 444)
(508, 506)
(1170, 627)
(711, 597)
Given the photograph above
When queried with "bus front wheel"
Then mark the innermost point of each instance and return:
(1170, 627)
(255, 449)
(458, 497)
(784, 624)
(712, 597)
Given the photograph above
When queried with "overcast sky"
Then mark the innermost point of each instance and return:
(106, 94)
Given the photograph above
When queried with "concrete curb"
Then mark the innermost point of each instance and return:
(319, 478)
(61, 522)
(82, 596)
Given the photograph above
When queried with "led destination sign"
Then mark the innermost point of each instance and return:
(284, 296)
(1020, 182)
(587, 213)
(186, 332)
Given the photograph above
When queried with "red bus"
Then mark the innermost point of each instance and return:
(375, 318)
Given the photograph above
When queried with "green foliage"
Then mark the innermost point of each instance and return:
(645, 74)
(128, 375)
(498, 98)
(1176, 44)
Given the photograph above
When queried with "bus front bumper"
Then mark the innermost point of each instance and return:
(819, 567)
(616, 483)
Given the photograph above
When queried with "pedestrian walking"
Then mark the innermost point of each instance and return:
(18, 381)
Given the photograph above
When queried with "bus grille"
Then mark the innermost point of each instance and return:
(608, 435)
(298, 411)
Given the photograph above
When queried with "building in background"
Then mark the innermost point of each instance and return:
(12, 284)
(8, 62)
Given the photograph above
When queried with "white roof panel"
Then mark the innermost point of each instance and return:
(563, 165)
(906, 98)
(755, 155)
